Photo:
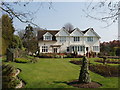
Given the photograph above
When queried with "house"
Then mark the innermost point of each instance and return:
(63, 41)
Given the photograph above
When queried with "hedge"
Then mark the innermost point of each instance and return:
(22, 60)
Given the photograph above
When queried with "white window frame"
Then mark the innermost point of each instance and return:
(76, 39)
(78, 48)
(47, 37)
(44, 48)
(95, 48)
(62, 39)
(90, 39)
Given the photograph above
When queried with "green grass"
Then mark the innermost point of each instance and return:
(52, 73)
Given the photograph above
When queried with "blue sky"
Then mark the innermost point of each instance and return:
(64, 12)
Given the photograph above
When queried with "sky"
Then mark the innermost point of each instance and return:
(67, 12)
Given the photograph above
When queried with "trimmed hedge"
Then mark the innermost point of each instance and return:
(105, 70)
(22, 60)
(112, 61)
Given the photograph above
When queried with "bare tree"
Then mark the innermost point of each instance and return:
(26, 16)
(106, 11)
(21, 33)
(69, 27)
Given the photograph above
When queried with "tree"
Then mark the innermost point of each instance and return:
(7, 32)
(30, 40)
(118, 51)
(107, 11)
(7, 28)
(109, 48)
(24, 17)
(16, 42)
(21, 33)
(84, 73)
(69, 27)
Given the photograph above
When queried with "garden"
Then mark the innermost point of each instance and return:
(58, 72)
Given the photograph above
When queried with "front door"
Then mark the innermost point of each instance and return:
(55, 50)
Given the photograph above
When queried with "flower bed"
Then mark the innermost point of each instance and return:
(52, 55)
(112, 61)
(105, 70)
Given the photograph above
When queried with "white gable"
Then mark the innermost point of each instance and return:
(76, 32)
(91, 32)
(47, 34)
(62, 32)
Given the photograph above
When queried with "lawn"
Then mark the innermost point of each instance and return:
(54, 73)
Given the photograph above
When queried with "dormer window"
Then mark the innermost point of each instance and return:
(47, 36)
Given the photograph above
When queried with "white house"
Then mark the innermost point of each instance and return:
(62, 41)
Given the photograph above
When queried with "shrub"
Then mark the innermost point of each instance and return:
(22, 60)
(70, 55)
(8, 80)
(113, 61)
(105, 70)
(8, 70)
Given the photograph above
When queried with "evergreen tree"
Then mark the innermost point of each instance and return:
(84, 73)
(7, 28)
(7, 32)
(30, 40)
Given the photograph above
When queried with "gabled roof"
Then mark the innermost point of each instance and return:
(62, 29)
(47, 34)
(55, 32)
(92, 30)
(77, 29)
(85, 31)
(42, 32)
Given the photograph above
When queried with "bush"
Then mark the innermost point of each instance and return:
(70, 55)
(22, 60)
(105, 70)
(8, 70)
(46, 55)
(112, 61)
(52, 55)
(9, 82)
(8, 79)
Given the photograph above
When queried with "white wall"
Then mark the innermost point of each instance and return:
(95, 42)
(44, 43)
(70, 41)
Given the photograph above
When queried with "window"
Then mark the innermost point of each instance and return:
(82, 48)
(78, 48)
(76, 39)
(44, 48)
(90, 39)
(73, 48)
(95, 48)
(55, 50)
(62, 39)
(47, 38)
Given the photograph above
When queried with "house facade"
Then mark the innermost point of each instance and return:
(63, 41)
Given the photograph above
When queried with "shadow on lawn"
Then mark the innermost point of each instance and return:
(75, 83)
(60, 82)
